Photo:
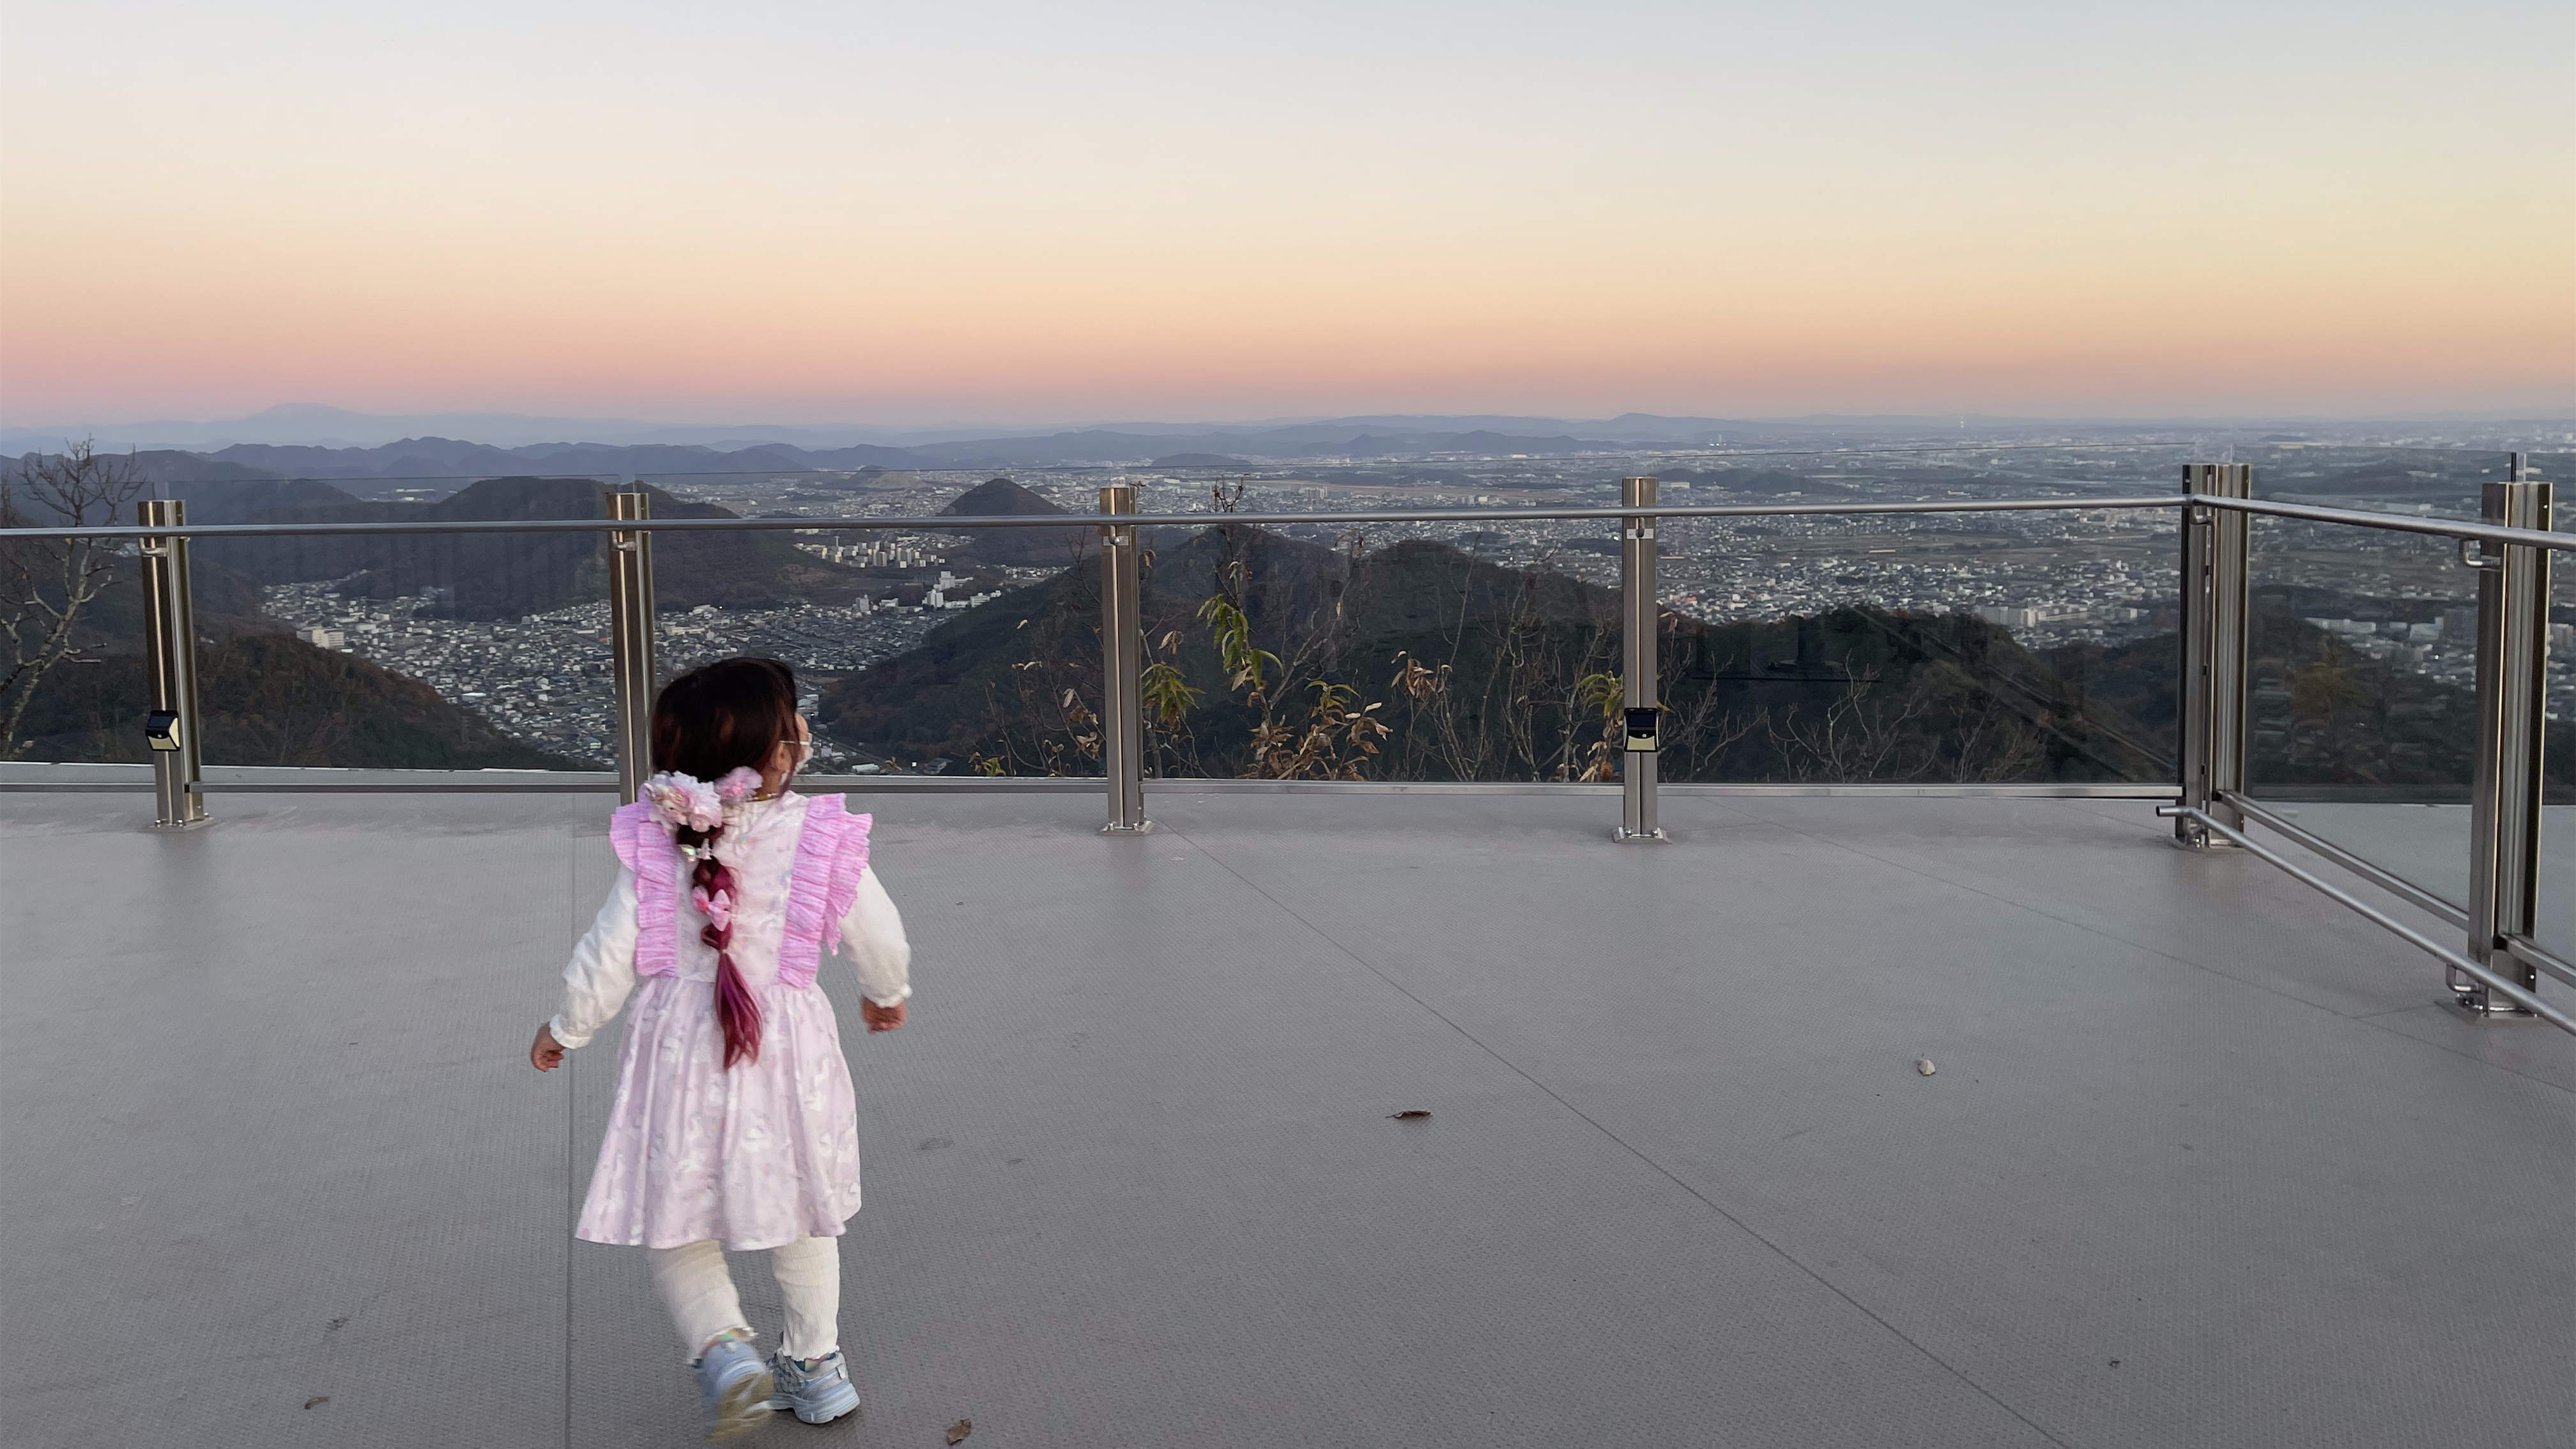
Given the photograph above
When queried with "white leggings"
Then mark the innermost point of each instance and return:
(699, 1292)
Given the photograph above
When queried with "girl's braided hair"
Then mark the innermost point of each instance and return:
(716, 719)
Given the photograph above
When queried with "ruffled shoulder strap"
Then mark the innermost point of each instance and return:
(831, 852)
(626, 829)
(647, 850)
(847, 867)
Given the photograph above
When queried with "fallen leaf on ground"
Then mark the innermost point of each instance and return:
(1414, 1114)
(317, 1399)
(958, 1431)
(1924, 1066)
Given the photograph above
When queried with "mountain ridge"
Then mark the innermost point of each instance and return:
(502, 575)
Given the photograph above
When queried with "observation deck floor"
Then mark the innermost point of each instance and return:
(2205, 1160)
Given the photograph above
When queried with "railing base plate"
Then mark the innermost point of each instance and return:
(2507, 1015)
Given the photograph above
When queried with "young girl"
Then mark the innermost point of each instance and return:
(734, 1126)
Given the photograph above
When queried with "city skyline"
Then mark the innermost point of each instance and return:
(812, 214)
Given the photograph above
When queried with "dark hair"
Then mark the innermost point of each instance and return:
(724, 716)
(715, 719)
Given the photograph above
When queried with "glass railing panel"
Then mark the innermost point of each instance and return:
(902, 651)
(1958, 648)
(82, 698)
(370, 651)
(1381, 651)
(1917, 473)
(83, 704)
(2557, 468)
(1484, 649)
(2362, 693)
(897, 637)
(1270, 650)
(2017, 645)
(2431, 482)
(416, 651)
(2557, 903)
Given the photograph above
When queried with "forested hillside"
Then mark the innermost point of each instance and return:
(270, 699)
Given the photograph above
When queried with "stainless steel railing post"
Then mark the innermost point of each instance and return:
(1122, 712)
(630, 639)
(2215, 627)
(1638, 661)
(170, 655)
(2504, 799)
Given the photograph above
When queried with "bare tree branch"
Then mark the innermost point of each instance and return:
(45, 584)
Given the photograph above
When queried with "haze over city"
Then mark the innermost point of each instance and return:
(800, 213)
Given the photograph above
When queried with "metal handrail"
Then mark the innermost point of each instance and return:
(934, 523)
(937, 523)
(540, 782)
(2400, 523)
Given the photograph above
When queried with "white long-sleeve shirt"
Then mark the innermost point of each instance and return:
(601, 974)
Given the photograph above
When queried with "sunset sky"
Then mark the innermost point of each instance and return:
(1029, 212)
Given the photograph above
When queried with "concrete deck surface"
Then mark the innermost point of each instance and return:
(2205, 1161)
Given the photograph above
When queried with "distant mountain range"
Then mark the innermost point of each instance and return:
(536, 440)
(431, 460)
(337, 429)
(322, 442)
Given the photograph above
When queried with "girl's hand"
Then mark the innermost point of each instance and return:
(546, 1053)
(881, 1018)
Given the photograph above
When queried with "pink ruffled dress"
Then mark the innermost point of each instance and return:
(766, 1152)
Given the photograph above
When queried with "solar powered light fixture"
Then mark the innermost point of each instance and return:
(161, 729)
(1641, 729)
